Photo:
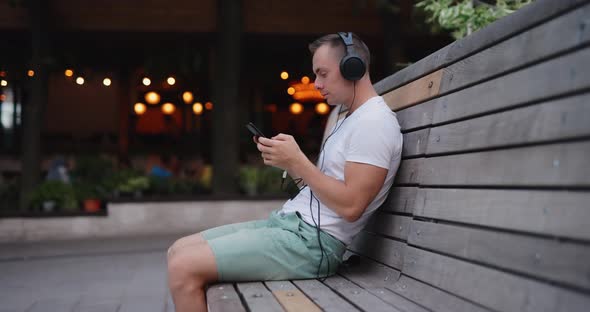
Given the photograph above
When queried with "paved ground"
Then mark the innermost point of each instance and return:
(113, 275)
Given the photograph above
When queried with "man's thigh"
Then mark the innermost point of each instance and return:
(266, 253)
(227, 229)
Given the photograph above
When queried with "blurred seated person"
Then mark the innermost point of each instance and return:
(58, 170)
(164, 169)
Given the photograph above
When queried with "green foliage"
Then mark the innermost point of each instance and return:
(462, 17)
(126, 181)
(94, 170)
(87, 191)
(260, 180)
(62, 193)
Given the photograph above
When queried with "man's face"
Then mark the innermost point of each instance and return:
(326, 66)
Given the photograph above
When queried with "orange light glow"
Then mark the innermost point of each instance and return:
(31, 73)
(296, 108)
(139, 108)
(152, 98)
(305, 80)
(291, 90)
(322, 108)
(69, 73)
(208, 106)
(187, 97)
(284, 75)
(198, 108)
(168, 108)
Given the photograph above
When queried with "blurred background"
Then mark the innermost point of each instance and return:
(135, 99)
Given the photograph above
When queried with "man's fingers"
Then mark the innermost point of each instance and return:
(282, 137)
(263, 148)
(265, 141)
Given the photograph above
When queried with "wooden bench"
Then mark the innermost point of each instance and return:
(490, 210)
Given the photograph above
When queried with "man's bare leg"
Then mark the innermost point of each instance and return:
(193, 239)
(190, 268)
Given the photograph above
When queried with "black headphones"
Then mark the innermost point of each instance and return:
(352, 66)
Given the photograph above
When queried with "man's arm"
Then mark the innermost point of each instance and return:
(348, 198)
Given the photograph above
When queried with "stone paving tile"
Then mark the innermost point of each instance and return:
(86, 276)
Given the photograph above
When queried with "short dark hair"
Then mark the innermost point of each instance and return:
(334, 40)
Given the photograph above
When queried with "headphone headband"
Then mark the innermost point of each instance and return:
(347, 38)
(352, 66)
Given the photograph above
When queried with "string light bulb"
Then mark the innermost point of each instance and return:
(171, 81)
(322, 108)
(198, 108)
(139, 108)
(187, 97)
(152, 98)
(168, 108)
(296, 108)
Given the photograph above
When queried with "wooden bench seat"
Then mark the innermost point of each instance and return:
(490, 210)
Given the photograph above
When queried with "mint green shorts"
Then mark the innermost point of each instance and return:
(279, 248)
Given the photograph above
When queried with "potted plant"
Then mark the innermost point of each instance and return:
(51, 195)
(89, 196)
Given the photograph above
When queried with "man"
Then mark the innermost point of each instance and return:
(354, 172)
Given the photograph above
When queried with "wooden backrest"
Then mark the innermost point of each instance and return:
(490, 209)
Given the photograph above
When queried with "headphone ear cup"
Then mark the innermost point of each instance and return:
(352, 67)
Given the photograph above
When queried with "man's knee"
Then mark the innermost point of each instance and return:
(190, 268)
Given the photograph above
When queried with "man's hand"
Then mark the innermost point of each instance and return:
(280, 151)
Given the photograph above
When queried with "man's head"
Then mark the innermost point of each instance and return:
(327, 53)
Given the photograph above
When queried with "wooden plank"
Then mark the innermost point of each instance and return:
(510, 25)
(415, 143)
(291, 298)
(566, 118)
(375, 278)
(397, 300)
(400, 199)
(408, 171)
(556, 165)
(562, 262)
(223, 297)
(432, 298)
(295, 300)
(567, 73)
(258, 298)
(369, 274)
(535, 44)
(389, 225)
(556, 213)
(279, 285)
(491, 288)
(414, 92)
(324, 296)
(384, 250)
(416, 116)
(359, 296)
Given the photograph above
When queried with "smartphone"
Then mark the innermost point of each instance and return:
(255, 131)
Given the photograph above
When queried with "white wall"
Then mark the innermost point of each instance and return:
(133, 219)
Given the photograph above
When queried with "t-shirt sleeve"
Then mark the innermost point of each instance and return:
(375, 143)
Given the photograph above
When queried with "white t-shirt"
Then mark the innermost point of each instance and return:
(370, 135)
